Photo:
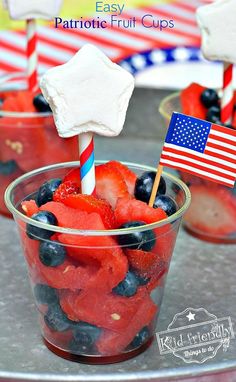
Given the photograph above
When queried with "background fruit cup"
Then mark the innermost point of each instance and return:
(28, 136)
(98, 293)
(212, 213)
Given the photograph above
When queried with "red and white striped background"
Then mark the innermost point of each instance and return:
(56, 46)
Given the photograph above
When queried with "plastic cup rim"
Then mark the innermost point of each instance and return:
(111, 232)
(163, 102)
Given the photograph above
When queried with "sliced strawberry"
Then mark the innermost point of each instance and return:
(135, 210)
(91, 204)
(110, 184)
(65, 189)
(29, 207)
(148, 265)
(129, 176)
(191, 102)
(73, 176)
(190, 179)
(212, 211)
(140, 260)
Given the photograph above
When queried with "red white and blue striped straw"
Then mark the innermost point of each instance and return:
(32, 58)
(87, 166)
(227, 102)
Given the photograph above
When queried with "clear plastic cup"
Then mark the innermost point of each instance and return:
(215, 203)
(84, 314)
(27, 140)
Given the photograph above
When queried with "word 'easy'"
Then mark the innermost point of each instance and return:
(114, 8)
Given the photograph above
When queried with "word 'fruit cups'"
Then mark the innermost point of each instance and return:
(98, 291)
(28, 136)
(212, 213)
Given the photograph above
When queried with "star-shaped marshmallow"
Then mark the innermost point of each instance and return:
(218, 28)
(33, 9)
(88, 94)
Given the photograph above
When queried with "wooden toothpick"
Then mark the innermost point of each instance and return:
(155, 185)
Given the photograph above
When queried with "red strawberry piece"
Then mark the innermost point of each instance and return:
(64, 190)
(129, 176)
(140, 260)
(29, 207)
(148, 265)
(191, 102)
(165, 241)
(73, 176)
(135, 210)
(212, 211)
(190, 179)
(91, 204)
(110, 184)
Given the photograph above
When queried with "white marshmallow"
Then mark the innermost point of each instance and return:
(218, 28)
(88, 94)
(33, 9)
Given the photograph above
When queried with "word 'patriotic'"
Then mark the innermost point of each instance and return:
(201, 148)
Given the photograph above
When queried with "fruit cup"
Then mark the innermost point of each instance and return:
(97, 292)
(28, 138)
(212, 213)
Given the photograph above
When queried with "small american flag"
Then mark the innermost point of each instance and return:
(201, 148)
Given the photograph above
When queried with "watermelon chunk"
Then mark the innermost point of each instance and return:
(191, 102)
(109, 311)
(113, 343)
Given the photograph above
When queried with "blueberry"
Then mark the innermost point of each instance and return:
(56, 319)
(144, 185)
(209, 97)
(1, 102)
(85, 336)
(44, 294)
(127, 287)
(37, 233)
(82, 347)
(213, 114)
(166, 203)
(144, 240)
(84, 328)
(8, 167)
(41, 104)
(140, 338)
(142, 280)
(51, 253)
(45, 192)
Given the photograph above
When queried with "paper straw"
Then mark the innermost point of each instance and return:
(227, 102)
(87, 167)
(32, 58)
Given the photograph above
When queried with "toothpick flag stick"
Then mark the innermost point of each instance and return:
(32, 58)
(227, 102)
(155, 185)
